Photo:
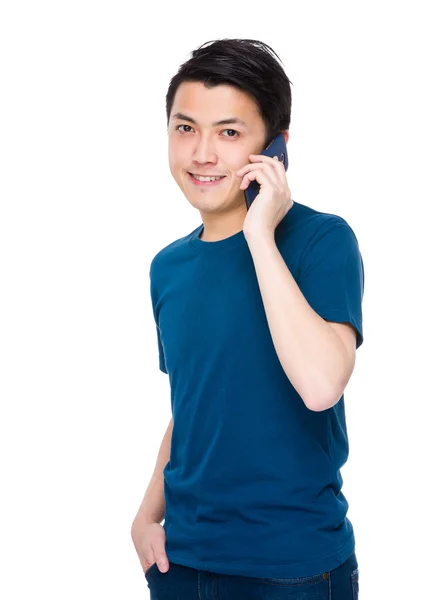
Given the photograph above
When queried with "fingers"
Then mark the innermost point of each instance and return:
(149, 540)
(275, 163)
(275, 174)
(160, 556)
(163, 563)
(261, 174)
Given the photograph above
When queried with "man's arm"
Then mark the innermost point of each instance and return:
(314, 357)
(152, 508)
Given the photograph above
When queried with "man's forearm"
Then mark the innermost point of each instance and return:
(312, 355)
(152, 508)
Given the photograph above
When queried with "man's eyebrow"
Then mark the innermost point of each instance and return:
(230, 121)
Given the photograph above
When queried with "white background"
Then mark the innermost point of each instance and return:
(87, 199)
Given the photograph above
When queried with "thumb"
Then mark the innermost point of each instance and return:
(162, 561)
(160, 555)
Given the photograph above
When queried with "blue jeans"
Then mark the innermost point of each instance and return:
(185, 583)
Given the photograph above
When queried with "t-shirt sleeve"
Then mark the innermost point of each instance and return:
(331, 277)
(161, 352)
(155, 308)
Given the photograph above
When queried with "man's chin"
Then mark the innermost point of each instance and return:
(209, 204)
(215, 202)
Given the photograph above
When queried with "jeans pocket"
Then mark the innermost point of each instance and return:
(354, 583)
(150, 569)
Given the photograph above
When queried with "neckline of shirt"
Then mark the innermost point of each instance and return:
(231, 241)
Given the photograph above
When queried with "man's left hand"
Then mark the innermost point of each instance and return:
(274, 199)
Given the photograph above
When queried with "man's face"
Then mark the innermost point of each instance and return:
(203, 148)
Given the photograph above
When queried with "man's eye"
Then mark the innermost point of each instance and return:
(234, 130)
(177, 128)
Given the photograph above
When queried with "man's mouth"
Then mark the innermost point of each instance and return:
(205, 180)
(206, 177)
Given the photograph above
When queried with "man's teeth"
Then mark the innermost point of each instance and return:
(199, 178)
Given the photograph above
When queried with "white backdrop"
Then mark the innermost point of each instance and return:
(87, 199)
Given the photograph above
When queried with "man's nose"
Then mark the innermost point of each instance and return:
(204, 151)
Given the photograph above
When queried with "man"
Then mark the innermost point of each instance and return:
(258, 317)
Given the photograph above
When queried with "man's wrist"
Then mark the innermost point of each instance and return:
(144, 518)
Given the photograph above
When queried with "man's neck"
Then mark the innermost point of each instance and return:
(222, 227)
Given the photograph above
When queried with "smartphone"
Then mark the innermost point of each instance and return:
(277, 147)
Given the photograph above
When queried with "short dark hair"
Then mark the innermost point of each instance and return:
(248, 65)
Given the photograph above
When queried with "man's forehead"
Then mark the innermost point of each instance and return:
(215, 105)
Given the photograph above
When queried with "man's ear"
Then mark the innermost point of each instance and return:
(286, 135)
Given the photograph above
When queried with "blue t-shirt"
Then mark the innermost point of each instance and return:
(253, 484)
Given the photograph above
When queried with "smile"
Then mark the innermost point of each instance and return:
(205, 181)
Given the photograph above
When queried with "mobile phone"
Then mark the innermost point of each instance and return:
(277, 147)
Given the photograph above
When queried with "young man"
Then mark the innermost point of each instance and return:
(258, 317)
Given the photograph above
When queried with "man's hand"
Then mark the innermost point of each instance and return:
(274, 200)
(149, 541)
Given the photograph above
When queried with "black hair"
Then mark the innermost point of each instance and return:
(248, 65)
